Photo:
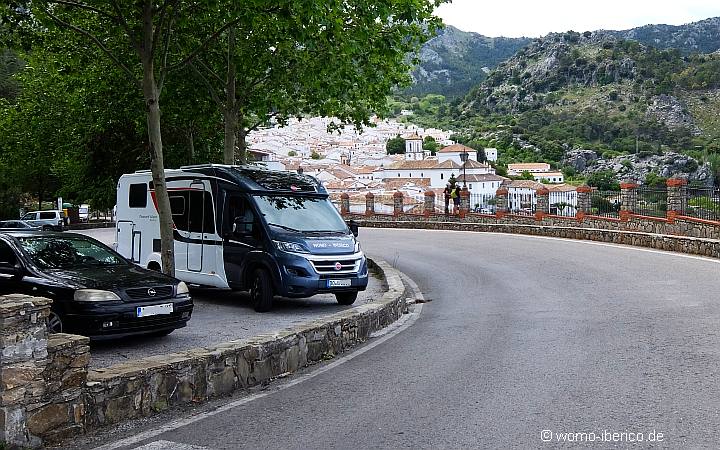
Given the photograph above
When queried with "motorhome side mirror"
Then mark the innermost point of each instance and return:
(242, 228)
(354, 228)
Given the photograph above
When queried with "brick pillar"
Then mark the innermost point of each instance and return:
(429, 206)
(677, 198)
(584, 201)
(369, 204)
(501, 202)
(628, 198)
(397, 203)
(542, 203)
(344, 203)
(23, 359)
(464, 202)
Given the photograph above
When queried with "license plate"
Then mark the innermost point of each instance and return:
(155, 310)
(339, 283)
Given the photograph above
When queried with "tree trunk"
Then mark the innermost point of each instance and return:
(242, 144)
(157, 167)
(230, 112)
(191, 145)
(230, 119)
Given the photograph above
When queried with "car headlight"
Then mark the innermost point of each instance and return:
(95, 295)
(293, 247)
(357, 246)
(182, 289)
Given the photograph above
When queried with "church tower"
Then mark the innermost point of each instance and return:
(413, 147)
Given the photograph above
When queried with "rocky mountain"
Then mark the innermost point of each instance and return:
(454, 61)
(697, 37)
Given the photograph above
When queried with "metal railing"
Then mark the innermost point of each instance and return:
(482, 203)
(651, 201)
(703, 203)
(605, 203)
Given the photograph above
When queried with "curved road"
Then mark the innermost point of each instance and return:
(522, 335)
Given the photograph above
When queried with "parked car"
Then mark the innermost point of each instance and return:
(17, 225)
(95, 291)
(84, 213)
(47, 220)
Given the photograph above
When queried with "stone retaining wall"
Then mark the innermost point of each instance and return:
(562, 228)
(48, 393)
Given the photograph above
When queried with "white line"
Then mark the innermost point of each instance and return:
(407, 321)
(579, 241)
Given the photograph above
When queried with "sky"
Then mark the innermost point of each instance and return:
(535, 18)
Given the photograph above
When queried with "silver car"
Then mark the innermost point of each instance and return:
(46, 220)
(18, 225)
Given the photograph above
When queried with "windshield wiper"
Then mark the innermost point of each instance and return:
(285, 228)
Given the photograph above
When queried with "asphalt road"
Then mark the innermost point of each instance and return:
(523, 335)
(221, 316)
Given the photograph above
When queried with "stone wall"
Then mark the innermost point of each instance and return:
(642, 232)
(47, 392)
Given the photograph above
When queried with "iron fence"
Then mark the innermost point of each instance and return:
(703, 203)
(651, 201)
(605, 203)
(482, 203)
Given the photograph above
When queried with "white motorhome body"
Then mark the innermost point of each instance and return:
(243, 227)
(198, 249)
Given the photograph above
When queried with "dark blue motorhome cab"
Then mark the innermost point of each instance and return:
(246, 228)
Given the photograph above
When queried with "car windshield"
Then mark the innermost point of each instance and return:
(300, 214)
(68, 253)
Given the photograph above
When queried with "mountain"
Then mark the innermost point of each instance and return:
(697, 37)
(596, 92)
(454, 61)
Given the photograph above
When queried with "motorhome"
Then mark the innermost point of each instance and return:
(246, 228)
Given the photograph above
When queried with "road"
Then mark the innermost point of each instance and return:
(523, 335)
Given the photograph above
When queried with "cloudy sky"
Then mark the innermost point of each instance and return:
(533, 18)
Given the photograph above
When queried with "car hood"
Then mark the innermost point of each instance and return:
(109, 277)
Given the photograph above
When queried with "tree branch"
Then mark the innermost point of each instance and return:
(97, 42)
(260, 122)
(166, 47)
(209, 85)
(86, 7)
(124, 24)
(211, 72)
(202, 46)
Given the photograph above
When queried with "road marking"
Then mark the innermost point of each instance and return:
(400, 325)
(169, 445)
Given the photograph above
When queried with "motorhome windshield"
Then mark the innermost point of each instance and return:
(300, 214)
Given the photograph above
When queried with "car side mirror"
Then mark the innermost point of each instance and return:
(354, 228)
(12, 269)
(242, 228)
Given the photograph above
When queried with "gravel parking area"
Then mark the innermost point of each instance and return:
(220, 316)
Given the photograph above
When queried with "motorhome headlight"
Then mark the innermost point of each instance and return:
(95, 295)
(357, 246)
(292, 247)
(182, 289)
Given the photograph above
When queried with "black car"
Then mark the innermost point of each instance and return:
(95, 291)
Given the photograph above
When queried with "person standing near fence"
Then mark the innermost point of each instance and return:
(446, 193)
(455, 195)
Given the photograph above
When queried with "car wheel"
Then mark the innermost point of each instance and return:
(261, 291)
(346, 298)
(54, 323)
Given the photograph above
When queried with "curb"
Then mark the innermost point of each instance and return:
(154, 384)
